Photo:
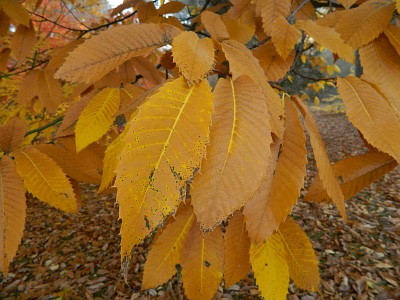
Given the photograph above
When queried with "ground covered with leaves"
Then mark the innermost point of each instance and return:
(77, 256)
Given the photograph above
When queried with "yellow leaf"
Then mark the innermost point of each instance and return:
(284, 36)
(238, 153)
(328, 38)
(202, 263)
(45, 179)
(193, 56)
(303, 58)
(327, 175)
(392, 32)
(271, 10)
(331, 69)
(242, 28)
(270, 266)
(49, 90)
(237, 246)
(12, 211)
(303, 263)
(166, 251)
(360, 25)
(16, 12)
(242, 62)
(97, 117)
(354, 173)
(12, 133)
(214, 25)
(316, 101)
(381, 67)
(398, 5)
(23, 41)
(269, 207)
(171, 7)
(371, 114)
(164, 146)
(106, 51)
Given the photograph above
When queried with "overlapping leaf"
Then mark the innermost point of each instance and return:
(371, 114)
(23, 41)
(214, 25)
(284, 36)
(327, 175)
(106, 51)
(271, 10)
(97, 117)
(236, 254)
(347, 3)
(270, 266)
(12, 133)
(241, 28)
(355, 173)
(193, 56)
(16, 11)
(393, 34)
(269, 208)
(303, 263)
(202, 263)
(12, 211)
(49, 90)
(160, 157)
(28, 88)
(238, 153)
(45, 179)
(171, 7)
(166, 251)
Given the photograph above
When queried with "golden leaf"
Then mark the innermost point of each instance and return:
(269, 208)
(238, 7)
(193, 56)
(58, 56)
(45, 179)
(242, 62)
(328, 38)
(28, 88)
(106, 51)
(214, 25)
(238, 153)
(16, 12)
(159, 157)
(270, 266)
(237, 247)
(371, 114)
(171, 7)
(359, 26)
(12, 134)
(97, 117)
(242, 28)
(147, 70)
(146, 11)
(166, 251)
(4, 56)
(271, 10)
(347, 3)
(303, 263)
(284, 36)
(393, 34)
(49, 90)
(306, 12)
(23, 41)
(381, 67)
(4, 23)
(354, 173)
(327, 175)
(202, 263)
(274, 66)
(12, 211)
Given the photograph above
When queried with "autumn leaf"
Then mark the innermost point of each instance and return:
(214, 25)
(159, 157)
(241, 28)
(238, 153)
(347, 3)
(49, 90)
(12, 133)
(171, 7)
(16, 11)
(12, 211)
(284, 36)
(271, 11)
(29, 88)
(392, 32)
(23, 41)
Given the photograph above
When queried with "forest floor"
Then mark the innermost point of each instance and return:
(66, 256)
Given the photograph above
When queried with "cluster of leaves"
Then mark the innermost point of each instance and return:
(194, 156)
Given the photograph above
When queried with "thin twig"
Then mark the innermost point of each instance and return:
(54, 122)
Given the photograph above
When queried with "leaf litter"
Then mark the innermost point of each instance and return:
(65, 256)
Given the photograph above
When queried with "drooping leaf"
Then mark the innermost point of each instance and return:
(171, 7)
(160, 157)
(328, 38)
(16, 12)
(49, 90)
(23, 41)
(4, 56)
(202, 263)
(381, 67)
(166, 251)
(4, 23)
(28, 88)
(392, 32)
(327, 175)
(360, 25)
(354, 173)
(12, 211)
(371, 114)
(97, 117)
(193, 56)
(242, 62)
(214, 25)
(147, 70)
(146, 11)
(12, 133)
(237, 247)
(303, 263)
(241, 28)
(238, 153)
(284, 36)
(271, 10)
(265, 212)
(106, 51)
(45, 179)
(270, 266)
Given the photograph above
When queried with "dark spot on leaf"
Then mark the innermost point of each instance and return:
(207, 264)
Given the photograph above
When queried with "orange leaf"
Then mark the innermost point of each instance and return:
(393, 34)
(146, 11)
(16, 12)
(241, 28)
(347, 3)
(284, 36)
(12, 134)
(28, 88)
(214, 25)
(23, 41)
(145, 68)
(4, 56)
(171, 7)
(49, 90)
(271, 10)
